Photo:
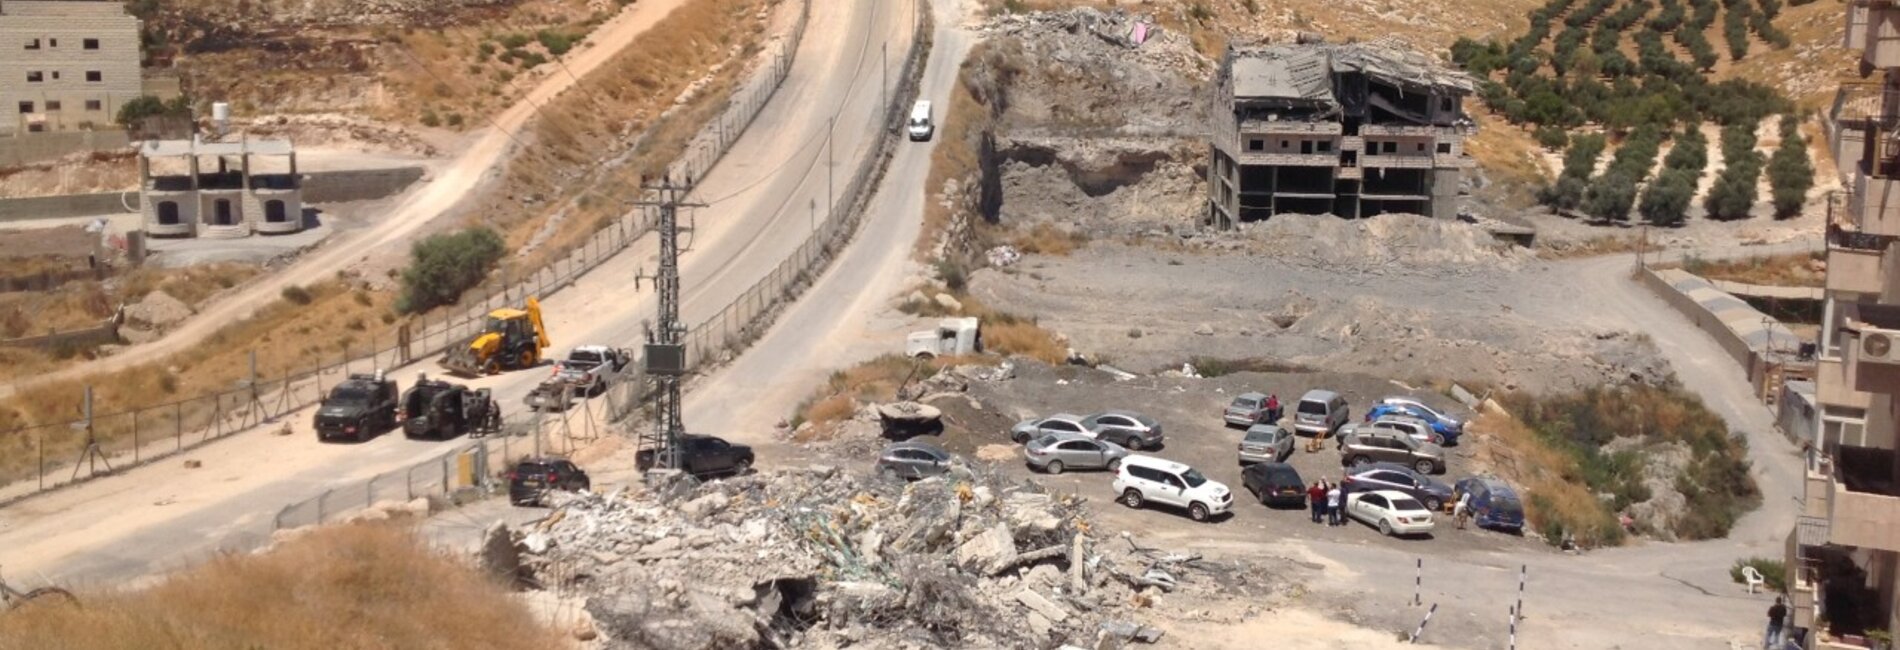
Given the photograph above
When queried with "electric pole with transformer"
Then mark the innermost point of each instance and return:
(665, 358)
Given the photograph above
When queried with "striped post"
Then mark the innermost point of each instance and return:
(1513, 629)
(1522, 570)
(1418, 584)
(1421, 624)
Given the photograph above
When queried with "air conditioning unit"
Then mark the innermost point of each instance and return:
(1879, 346)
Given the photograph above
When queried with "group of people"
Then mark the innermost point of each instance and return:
(1328, 503)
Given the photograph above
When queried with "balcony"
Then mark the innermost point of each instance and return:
(1255, 158)
(1833, 388)
(1425, 162)
(1854, 261)
(1874, 205)
(1864, 519)
(1290, 127)
(1453, 161)
(1872, 348)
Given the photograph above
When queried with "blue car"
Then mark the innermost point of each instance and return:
(1493, 504)
(1445, 426)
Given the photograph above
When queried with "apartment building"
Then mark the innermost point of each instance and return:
(66, 65)
(1843, 557)
(1352, 130)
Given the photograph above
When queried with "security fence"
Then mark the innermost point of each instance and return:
(39, 458)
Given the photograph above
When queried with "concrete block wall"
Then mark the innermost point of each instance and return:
(27, 148)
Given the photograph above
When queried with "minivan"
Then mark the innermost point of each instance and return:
(1320, 413)
(1145, 479)
(919, 124)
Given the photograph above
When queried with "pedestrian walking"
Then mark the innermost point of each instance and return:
(1776, 614)
(1462, 510)
(1333, 515)
(1316, 499)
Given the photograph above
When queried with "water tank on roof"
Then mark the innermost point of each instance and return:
(221, 117)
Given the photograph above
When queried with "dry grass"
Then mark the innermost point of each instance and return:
(1553, 500)
(1798, 270)
(1046, 239)
(600, 115)
(1508, 154)
(1592, 247)
(361, 586)
(86, 303)
(876, 380)
(1004, 333)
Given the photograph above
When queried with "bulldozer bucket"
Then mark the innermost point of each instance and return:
(540, 330)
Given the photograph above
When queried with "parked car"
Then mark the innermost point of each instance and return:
(1246, 410)
(1274, 484)
(1265, 443)
(1032, 428)
(1320, 413)
(533, 478)
(1418, 429)
(1126, 428)
(1442, 422)
(1394, 513)
(706, 456)
(1056, 452)
(1393, 476)
(1146, 479)
(1367, 446)
(357, 409)
(1493, 503)
(913, 459)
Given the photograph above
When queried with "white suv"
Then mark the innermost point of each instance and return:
(1144, 479)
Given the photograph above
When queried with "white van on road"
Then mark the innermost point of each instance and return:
(919, 126)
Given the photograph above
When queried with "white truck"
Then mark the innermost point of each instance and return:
(951, 337)
(587, 371)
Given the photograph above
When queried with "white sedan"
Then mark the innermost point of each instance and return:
(1393, 512)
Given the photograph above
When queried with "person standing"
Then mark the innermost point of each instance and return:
(1776, 614)
(1462, 510)
(1316, 499)
(1334, 516)
(1273, 409)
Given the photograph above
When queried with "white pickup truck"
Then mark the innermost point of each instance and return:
(588, 370)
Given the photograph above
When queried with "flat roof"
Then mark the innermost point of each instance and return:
(1305, 72)
(197, 146)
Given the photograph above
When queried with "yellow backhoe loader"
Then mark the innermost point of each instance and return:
(511, 340)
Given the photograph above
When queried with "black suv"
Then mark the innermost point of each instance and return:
(439, 410)
(705, 455)
(357, 409)
(533, 477)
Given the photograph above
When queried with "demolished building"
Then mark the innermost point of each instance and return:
(1352, 130)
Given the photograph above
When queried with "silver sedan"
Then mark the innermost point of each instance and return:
(1056, 452)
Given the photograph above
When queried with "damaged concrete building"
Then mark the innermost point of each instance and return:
(1352, 130)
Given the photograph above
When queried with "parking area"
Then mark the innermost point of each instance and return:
(1190, 413)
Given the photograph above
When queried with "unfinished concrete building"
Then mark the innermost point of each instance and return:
(220, 189)
(1352, 130)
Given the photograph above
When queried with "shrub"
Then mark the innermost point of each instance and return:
(953, 276)
(556, 43)
(1774, 573)
(1552, 138)
(1789, 173)
(1610, 197)
(430, 119)
(297, 295)
(1666, 200)
(443, 266)
(514, 41)
(146, 106)
(1566, 194)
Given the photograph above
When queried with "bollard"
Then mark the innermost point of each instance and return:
(1418, 584)
(1513, 629)
(1421, 624)
(1522, 571)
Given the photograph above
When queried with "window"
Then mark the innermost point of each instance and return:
(52, 105)
(1444, 104)
(1325, 146)
(1390, 146)
(1374, 500)
(1421, 146)
(1444, 147)
(26, 107)
(55, 75)
(94, 76)
(36, 127)
(33, 44)
(167, 213)
(35, 76)
(52, 42)
(1285, 144)
(93, 105)
(1256, 144)
(1306, 146)
(90, 43)
(222, 215)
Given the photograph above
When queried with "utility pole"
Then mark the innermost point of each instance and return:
(666, 343)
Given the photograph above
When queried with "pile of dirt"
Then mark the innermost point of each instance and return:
(1084, 69)
(156, 311)
(823, 558)
(1383, 244)
(1101, 187)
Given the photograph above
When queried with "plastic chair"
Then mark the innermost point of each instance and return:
(1753, 577)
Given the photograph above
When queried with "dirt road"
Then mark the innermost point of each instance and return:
(488, 148)
(156, 517)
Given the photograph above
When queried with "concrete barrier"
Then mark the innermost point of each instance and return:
(66, 205)
(90, 337)
(1744, 332)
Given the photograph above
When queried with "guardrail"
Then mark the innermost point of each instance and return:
(56, 456)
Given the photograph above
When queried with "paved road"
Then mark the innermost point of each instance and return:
(161, 516)
(450, 183)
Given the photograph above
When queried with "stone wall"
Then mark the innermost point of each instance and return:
(28, 148)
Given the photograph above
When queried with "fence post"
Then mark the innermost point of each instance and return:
(445, 475)
(135, 437)
(39, 443)
(178, 423)
(320, 499)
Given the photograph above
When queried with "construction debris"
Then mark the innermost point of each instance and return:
(823, 558)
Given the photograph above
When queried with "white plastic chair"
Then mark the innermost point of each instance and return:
(1753, 577)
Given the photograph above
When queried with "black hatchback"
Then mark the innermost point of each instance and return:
(534, 477)
(1275, 484)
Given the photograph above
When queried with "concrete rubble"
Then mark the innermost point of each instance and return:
(821, 558)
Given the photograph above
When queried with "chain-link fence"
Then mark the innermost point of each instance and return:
(39, 458)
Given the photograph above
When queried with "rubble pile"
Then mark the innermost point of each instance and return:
(822, 558)
(1383, 244)
(1137, 37)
